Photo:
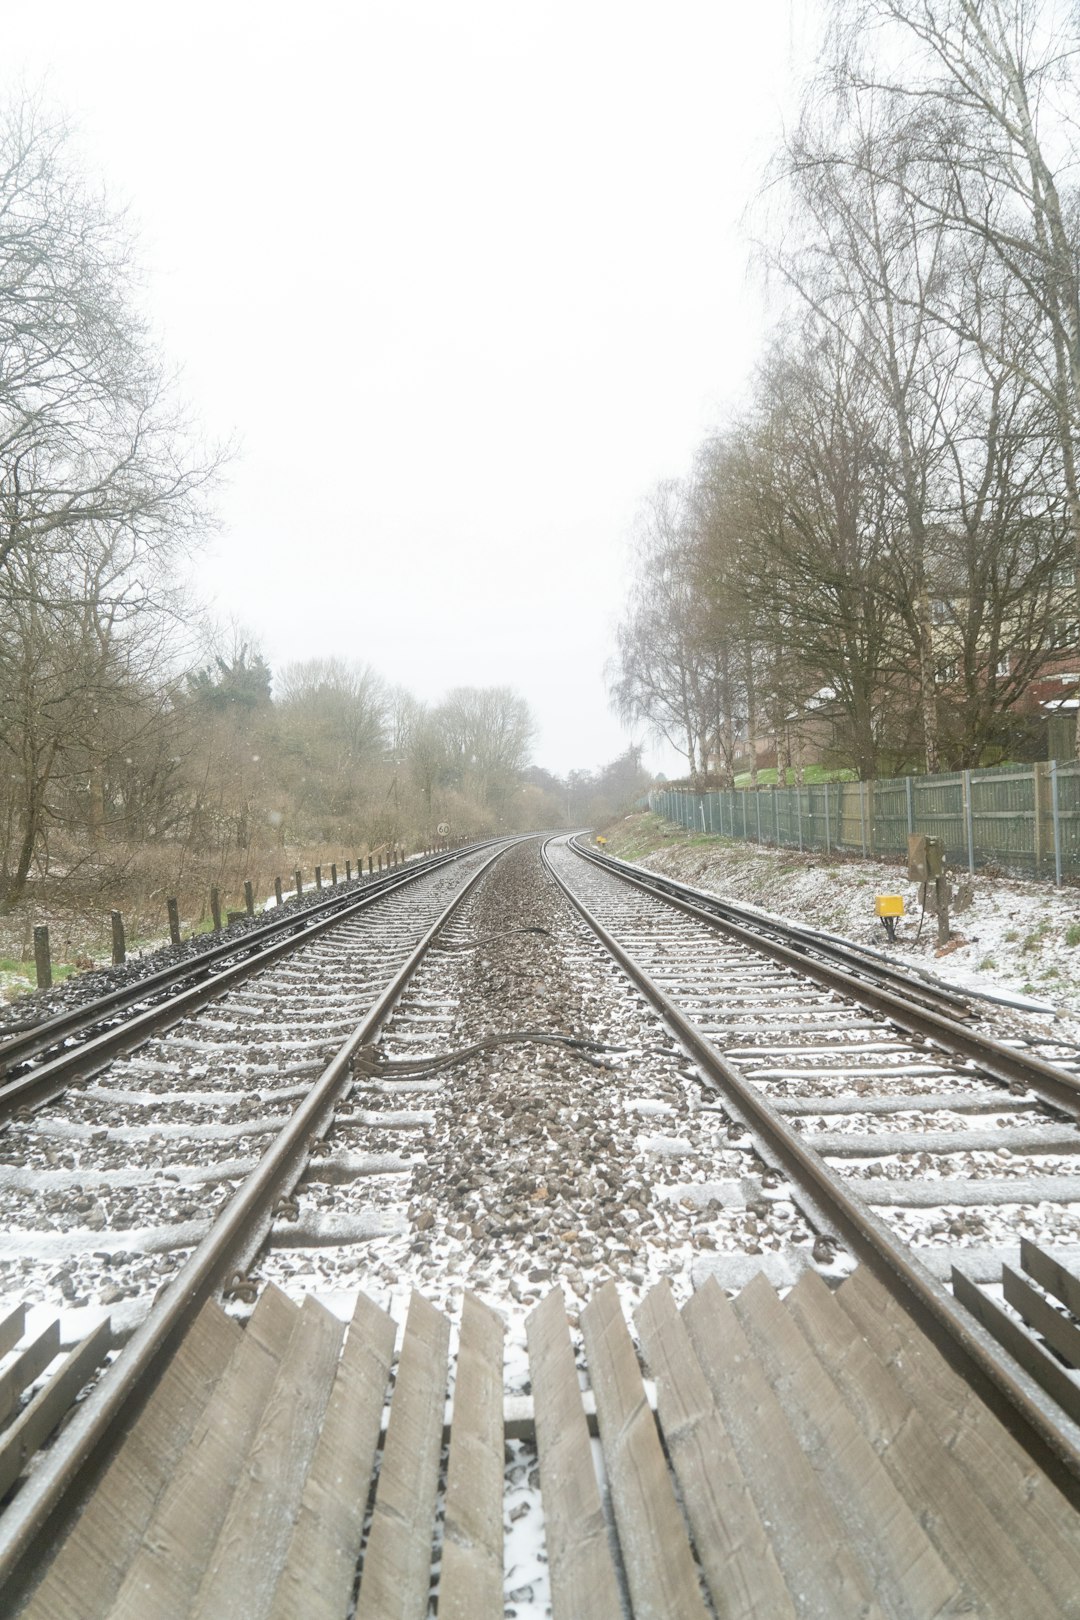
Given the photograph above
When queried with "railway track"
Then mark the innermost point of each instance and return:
(503, 1111)
(68, 1035)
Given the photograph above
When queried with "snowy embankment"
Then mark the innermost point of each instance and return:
(1009, 937)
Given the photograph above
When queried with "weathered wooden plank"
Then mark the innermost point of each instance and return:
(471, 1583)
(85, 1575)
(1061, 1334)
(911, 1578)
(396, 1574)
(164, 1576)
(823, 1573)
(11, 1328)
(243, 1569)
(1042, 1366)
(1055, 1277)
(583, 1581)
(36, 1421)
(1028, 1507)
(29, 1364)
(956, 1518)
(732, 1543)
(660, 1568)
(320, 1566)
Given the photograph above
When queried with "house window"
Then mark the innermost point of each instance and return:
(1066, 632)
(1002, 666)
(945, 671)
(940, 609)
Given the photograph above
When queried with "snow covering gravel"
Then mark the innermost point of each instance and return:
(536, 1165)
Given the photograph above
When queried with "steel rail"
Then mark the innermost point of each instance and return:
(1053, 1436)
(811, 939)
(214, 971)
(40, 1036)
(113, 1402)
(1054, 1085)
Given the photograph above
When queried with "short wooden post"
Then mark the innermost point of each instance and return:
(380, 863)
(318, 877)
(249, 898)
(370, 865)
(348, 871)
(174, 920)
(277, 891)
(215, 909)
(42, 959)
(333, 874)
(299, 884)
(119, 950)
(941, 894)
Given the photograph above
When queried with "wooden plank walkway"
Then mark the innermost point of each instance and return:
(803, 1458)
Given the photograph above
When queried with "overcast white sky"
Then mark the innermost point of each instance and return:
(465, 279)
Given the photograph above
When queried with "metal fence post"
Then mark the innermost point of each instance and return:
(798, 813)
(757, 807)
(969, 821)
(862, 815)
(776, 814)
(828, 845)
(909, 795)
(1055, 812)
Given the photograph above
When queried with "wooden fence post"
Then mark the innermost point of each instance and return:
(174, 920)
(348, 871)
(318, 877)
(299, 884)
(42, 959)
(119, 951)
(333, 874)
(277, 891)
(249, 898)
(370, 865)
(215, 909)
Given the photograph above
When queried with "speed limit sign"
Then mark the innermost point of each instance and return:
(443, 828)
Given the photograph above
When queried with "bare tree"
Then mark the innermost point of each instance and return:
(486, 734)
(987, 95)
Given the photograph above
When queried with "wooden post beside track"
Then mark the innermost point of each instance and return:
(119, 949)
(318, 877)
(215, 909)
(42, 959)
(174, 919)
(333, 874)
(348, 871)
(249, 898)
(299, 884)
(277, 891)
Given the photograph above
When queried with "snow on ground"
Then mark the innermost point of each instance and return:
(1009, 937)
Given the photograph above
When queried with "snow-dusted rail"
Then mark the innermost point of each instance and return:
(380, 960)
(907, 1150)
(72, 1034)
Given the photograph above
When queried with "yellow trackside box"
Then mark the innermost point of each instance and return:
(888, 905)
